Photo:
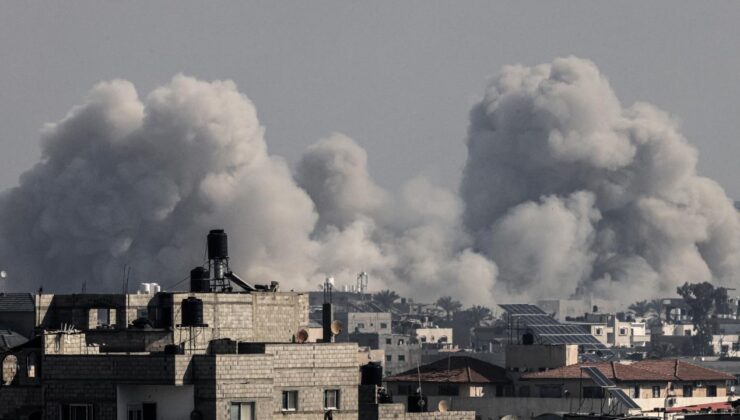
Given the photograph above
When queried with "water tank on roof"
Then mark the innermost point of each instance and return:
(218, 245)
(192, 312)
(371, 374)
(199, 280)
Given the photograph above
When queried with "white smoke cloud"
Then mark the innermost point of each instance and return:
(124, 181)
(568, 190)
(565, 192)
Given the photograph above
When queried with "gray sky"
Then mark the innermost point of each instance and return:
(398, 77)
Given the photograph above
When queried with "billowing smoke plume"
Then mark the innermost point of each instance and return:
(565, 192)
(126, 182)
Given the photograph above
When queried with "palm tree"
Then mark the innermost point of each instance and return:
(640, 308)
(450, 306)
(477, 314)
(385, 298)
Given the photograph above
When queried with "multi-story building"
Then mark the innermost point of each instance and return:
(204, 354)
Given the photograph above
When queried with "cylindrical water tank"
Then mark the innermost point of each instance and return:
(199, 281)
(145, 288)
(371, 374)
(156, 288)
(218, 245)
(192, 312)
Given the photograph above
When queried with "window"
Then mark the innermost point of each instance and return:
(476, 391)
(593, 392)
(145, 411)
(712, 391)
(360, 325)
(688, 391)
(656, 391)
(242, 411)
(423, 339)
(31, 365)
(449, 390)
(103, 317)
(736, 346)
(687, 332)
(636, 391)
(290, 400)
(499, 390)
(623, 331)
(77, 412)
(400, 341)
(388, 341)
(551, 391)
(135, 412)
(599, 331)
(388, 357)
(383, 325)
(331, 399)
(142, 313)
(401, 358)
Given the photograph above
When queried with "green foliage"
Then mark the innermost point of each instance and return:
(385, 298)
(705, 302)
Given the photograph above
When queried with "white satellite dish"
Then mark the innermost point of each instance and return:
(442, 406)
(3, 274)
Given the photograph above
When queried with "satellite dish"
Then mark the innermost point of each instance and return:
(302, 336)
(443, 407)
(336, 327)
(3, 274)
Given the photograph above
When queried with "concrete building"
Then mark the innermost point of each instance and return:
(402, 351)
(211, 353)
(442, 337)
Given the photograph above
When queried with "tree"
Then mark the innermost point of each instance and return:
(705, 301)
(477, 314)
(449, 305)
(640, 308)
(385, 298)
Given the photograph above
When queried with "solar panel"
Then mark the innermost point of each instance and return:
(522, 309)
(558, 329)
(598, 377)
(549, 330)
(623, 398)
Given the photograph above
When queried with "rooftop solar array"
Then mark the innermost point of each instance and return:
(598, 377)
(547, 329)
(522, 309)
(623, 398)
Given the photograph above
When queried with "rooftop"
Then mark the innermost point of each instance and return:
(613, 370)
(647, 370)
(454, 369)
(16, 302)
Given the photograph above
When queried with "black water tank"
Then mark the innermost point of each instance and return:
(199, 281)
(192, 312)
(173, 349)
(528, 339)
(417, 403)
(218, 245)
(371, 374)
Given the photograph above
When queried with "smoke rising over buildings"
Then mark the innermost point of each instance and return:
(565, 191)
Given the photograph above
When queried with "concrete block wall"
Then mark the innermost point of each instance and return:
(279, 316)
(67, 343)
(223, 379)
(311, 369)
(11, 398)
(397, 411)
